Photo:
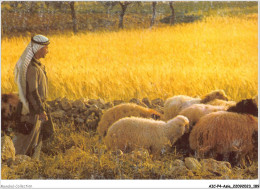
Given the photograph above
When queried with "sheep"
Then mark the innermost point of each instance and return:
(174, 105)
(218, 102)
(193, 113)
(11, 110)
(128, 134)
(10, 107)
(196, 111)
(223, 135)
(256, 100)
(124, 110)
(247, 106)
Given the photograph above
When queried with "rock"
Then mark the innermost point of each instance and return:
(108, 105)
(158, 102)
(58, 99)
(138, 102)
(147, 102)
(73, 111)
(21, 158)
(178, 169)
(7, 149)
(222, 168)
(58, 114)
(84, 100)
(135, 100)
(99, 103)
(86, 113)
(158, 108)
(92, 101)
(95, 109)
(79, 120)
(65, 104)
(117, 102)
(178, 162)
(92, 120)
(79, 104)
(192, 164)
(92, 123)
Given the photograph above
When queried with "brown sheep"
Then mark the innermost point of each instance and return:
(174, 105)
(223, 134)
(132, 133)
(11, 111)
(193, 113)
(124, 110)
(10, 107)
(246, 106)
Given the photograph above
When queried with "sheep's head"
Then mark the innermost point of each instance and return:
(247, 106)
(9, 104)
(218, 94)
(178, 127)
(182, 123)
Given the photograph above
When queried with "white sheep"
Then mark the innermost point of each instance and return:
(196, 111)
(174, 105)
(124, 110)
(225, 103)
(128, 134)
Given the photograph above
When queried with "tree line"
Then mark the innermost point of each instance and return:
(32, 7)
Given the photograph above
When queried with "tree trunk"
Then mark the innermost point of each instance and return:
(47, 3)
(74, 18)
(153, 16)
(172, 20)
(122, 14)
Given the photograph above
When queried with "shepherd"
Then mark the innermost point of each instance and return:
(32, 81)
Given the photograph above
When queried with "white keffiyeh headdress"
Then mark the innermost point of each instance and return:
(37, 42)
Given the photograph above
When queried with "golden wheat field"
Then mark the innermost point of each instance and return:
(191, 59)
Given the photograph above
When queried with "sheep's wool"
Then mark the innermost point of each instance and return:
(37, 42)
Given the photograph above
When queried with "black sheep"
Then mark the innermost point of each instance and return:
(247, 106)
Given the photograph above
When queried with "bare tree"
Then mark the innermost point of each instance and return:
(47, 3)
(109, 5)
(122, 14)
(73, 15)
(172, 20)
(153, 16)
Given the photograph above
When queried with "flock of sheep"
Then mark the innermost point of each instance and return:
(210, 126)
